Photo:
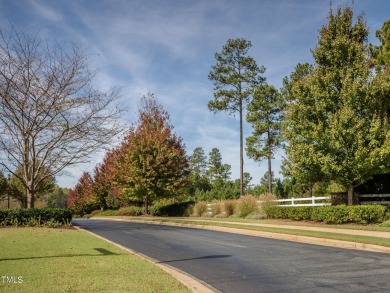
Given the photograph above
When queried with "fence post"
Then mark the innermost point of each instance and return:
(313, 200)
(292, 201)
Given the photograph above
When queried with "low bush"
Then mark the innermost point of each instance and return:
(200, 208)
(107, 213)
(35, 217)
(266, 201)
(179, 209)
(363, 214)
(216, 208)
(229, 207)
(100, 213)
(385, 224)
(246, 205)
(95, 212)
(130, 211)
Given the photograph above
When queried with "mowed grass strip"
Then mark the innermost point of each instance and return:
(327, 235)
(68, 260)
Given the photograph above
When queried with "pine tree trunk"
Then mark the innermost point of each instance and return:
(269, 163)
(241, 154)
(269, 175)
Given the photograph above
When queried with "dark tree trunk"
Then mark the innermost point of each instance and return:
(351, 200)
(269, 175)
(30, 199)
(269, 163)
(242, 192)
(146, 202)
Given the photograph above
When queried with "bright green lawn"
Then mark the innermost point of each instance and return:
(67, 260)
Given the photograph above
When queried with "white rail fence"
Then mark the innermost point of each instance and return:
(307, 201)
(296, 202)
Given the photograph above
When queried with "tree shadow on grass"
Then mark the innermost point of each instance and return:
(102, 252)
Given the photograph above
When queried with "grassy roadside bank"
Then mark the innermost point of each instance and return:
(248, 225)
(69, 260)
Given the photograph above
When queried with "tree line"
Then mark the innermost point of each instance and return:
(330, 117)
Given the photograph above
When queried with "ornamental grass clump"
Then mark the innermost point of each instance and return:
(229, 207)
(267, 200)
(200, 208)
(216, 208)
(246, 205)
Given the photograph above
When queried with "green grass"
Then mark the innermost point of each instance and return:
(68, 260)
(241, 225)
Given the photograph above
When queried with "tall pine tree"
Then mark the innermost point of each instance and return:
(265, 114)
(234, 76)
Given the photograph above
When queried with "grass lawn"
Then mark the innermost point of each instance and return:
(68, 260)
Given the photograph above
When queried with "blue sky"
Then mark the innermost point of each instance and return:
(167, 47)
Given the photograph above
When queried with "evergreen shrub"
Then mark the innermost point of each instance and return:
(179, 209)
(35, 217)
(360, 214)
(130, 211)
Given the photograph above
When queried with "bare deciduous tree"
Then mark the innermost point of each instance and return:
(51, 116)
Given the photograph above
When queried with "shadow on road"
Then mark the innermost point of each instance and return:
(194, 258)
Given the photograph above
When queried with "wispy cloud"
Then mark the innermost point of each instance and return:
(45, 11)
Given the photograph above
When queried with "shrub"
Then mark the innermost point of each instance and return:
(179, 209)
(277, 212)
(216, 208)
(266, 201)
(107, 213)
(92, 214)
(366, 214)
(385, 224)
(363, 214)
(229, 207)
(200, 208)
(130, 211)
(95, 212)
(246, 205)
(35, 217)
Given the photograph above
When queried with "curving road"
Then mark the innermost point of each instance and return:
(237, 263)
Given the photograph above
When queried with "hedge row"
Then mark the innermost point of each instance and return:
(179, 209)
(362, 214)
(35, 217)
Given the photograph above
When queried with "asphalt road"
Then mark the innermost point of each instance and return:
(237, 263)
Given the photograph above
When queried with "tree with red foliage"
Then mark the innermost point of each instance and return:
(81, 197)
(152, 162)
(104, 188)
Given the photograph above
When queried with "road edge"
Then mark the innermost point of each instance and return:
(194, 284)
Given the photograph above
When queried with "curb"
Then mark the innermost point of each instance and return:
(279, 236)
(194, 284)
